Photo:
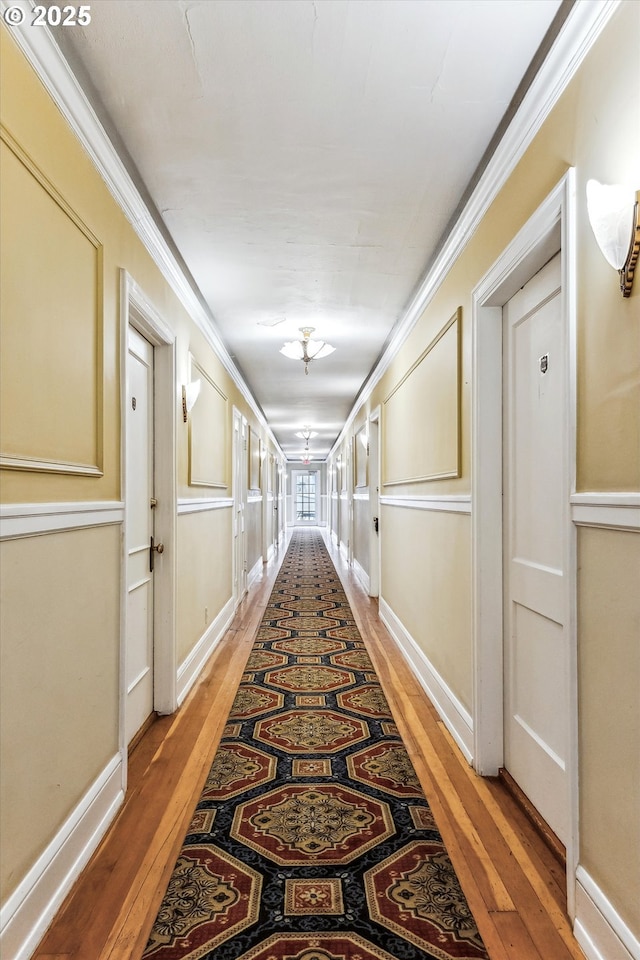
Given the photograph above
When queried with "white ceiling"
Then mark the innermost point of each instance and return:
(306, 157)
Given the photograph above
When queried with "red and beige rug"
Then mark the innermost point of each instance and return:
(312, 839)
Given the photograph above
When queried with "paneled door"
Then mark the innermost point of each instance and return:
(240, 484)
(535, 501)
(139, 496)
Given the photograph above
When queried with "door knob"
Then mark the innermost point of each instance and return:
(158, 548)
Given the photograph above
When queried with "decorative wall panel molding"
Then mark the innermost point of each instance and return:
(51, 379)
(254, 461)
(422, 418)
(208, 429)
(361, 458)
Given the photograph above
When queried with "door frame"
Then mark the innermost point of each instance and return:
(552, 228)
(137, 311)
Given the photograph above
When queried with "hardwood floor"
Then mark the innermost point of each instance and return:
(513, 882)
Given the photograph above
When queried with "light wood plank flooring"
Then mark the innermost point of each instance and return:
(514, 884)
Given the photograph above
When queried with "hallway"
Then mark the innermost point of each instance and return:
(190, 189)
(514, 884)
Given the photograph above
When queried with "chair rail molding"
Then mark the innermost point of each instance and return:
(203, 504)
(36, 519)
(613, 511)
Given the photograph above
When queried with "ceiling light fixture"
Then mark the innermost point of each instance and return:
(305, 434)
(306, 349)
(614, 219)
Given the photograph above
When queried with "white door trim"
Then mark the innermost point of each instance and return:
(138, 312)
(551, 228)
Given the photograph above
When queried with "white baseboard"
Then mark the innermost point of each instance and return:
(454, 715)
(598, 928)
(361, 574)
(189, 670)
(255, 573)
(344, 551)
(26, 915)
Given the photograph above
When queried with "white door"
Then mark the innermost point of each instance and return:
(139, 493)
(305, 491)
(240, 481)
(536, 688)
(374, 504)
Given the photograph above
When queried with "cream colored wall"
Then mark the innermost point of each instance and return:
(433, 612)
(61, 592)
(425, 576)
(253, 526)
(59, 609)
(361, 529)
(207, 587)
(609, 688)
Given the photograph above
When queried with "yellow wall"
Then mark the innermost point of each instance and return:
(433, 594)
(203, 593)
(65, 242)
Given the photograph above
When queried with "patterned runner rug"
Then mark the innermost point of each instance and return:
(312, 839)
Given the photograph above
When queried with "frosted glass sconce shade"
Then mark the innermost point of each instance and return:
(613, 215)
(190, 393)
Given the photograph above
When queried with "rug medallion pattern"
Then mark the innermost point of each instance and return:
(312, 839)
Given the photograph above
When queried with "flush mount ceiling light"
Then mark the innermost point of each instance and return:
(613, 215)
(306, 349)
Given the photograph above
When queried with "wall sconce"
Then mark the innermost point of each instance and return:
(190, 393)
(613, 215)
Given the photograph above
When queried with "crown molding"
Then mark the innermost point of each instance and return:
(47, 60)
(581, 29)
